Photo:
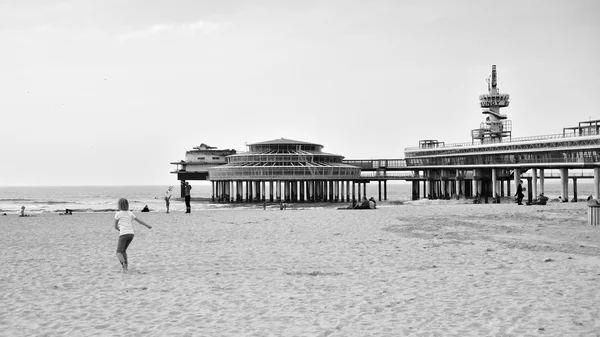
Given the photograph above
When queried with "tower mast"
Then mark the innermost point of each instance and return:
(496, 127)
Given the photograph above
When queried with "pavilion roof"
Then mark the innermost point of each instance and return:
(284, 141)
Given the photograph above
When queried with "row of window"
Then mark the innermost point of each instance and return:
(538, 157)
(240, 173)
(292, 158)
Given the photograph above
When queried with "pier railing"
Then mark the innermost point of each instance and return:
(512, 140)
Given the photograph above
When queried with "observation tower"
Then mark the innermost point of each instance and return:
(496, 127)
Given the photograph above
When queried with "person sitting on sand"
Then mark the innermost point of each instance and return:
(364, 204)
(372, 203)
(23, 211)
(124, 224)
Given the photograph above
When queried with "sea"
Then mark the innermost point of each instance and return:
(55, 199)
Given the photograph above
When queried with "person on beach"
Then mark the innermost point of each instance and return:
(372, 203)
(168, 197)
(187, 190)
(520, 194)
(23, 211)
(124, 224)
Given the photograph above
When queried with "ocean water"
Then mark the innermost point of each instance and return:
(104, 198)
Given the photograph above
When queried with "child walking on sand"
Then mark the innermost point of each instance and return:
(124, 224)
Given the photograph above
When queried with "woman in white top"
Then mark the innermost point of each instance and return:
(124, 224)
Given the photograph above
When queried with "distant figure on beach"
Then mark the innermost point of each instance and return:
(168, 197)
(365, 203)
(282, 206)
(187, 190)
(264, 205)
(67, 212)
(519, 193)
(145, 209)
(23, 211)
(540, 200)
(372, 203)
(124, 224)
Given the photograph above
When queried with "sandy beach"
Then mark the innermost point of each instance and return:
(428, 268)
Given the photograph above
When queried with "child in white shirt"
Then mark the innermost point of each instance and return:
(124, 224)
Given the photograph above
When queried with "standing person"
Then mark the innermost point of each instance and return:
(124, 224)
(520, 194)
(187, 190)
(168, 197)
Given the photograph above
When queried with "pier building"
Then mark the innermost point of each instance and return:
(284, 170)
(198, 160)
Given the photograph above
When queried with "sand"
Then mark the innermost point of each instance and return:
(420, 269)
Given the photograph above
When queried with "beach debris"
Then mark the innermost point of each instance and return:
(489, 250)
(541, 329)
(548, 260)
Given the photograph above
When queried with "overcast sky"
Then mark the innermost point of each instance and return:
(110, 92)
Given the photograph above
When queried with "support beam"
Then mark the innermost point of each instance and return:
(542, 181)
(564, 184)
(534, 177)
(596, 182)
(385, 190)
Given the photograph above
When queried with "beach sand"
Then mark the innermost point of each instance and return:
(426, 268)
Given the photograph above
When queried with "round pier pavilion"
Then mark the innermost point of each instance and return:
(284, 170)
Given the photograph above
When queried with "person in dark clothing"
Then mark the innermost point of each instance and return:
(187, 190)
(520, 194)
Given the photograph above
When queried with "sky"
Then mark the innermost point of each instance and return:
(111, 92)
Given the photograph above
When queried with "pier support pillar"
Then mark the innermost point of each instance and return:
(458, 190)
(415, 190)
(529, 191)
(564, 184)
(494, 186)
(596, 182)
(385, 190)
(379, 190)
(542, 181)
(534, 188)
(574, 190)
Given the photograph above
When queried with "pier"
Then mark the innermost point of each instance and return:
(487, 167)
